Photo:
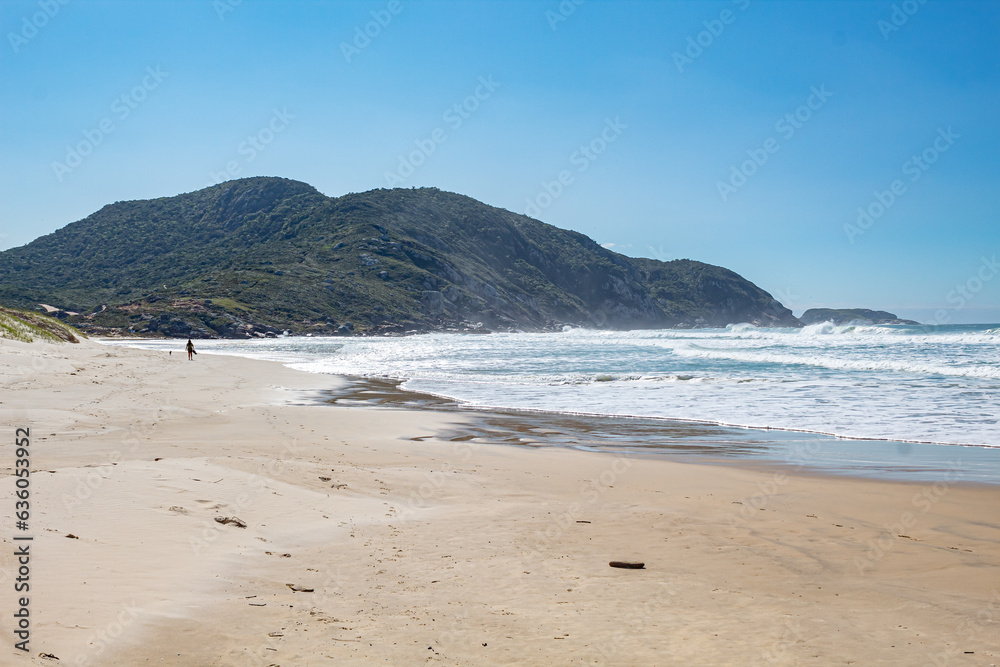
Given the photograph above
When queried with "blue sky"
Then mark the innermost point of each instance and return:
(742, 133)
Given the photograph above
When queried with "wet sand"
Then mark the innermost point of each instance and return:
(688, 441)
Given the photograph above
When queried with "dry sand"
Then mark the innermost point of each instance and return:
(422, 550)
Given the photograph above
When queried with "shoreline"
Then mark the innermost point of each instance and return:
(419, 547)
(686, 440)
(950, 434)
(666, 421)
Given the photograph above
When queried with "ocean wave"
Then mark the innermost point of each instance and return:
(827, 332)
(918, 384)
(705, 404)
(977, 370)
(513, 379)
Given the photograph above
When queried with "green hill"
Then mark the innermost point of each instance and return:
(261, 255)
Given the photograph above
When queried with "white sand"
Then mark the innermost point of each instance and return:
(448, 552)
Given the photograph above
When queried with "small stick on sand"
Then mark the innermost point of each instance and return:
(628, 565)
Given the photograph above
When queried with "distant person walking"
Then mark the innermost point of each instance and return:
(191, 350)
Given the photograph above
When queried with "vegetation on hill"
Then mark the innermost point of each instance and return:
(258, 256)
(848, 315)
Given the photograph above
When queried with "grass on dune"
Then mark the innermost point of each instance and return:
(28, 327)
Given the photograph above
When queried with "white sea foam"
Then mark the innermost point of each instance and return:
(842, 363)
(926, 384)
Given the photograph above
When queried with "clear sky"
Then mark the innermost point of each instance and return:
(743, 133)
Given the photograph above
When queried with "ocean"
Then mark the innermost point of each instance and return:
(900, 384)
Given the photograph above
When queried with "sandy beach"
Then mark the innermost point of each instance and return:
(377, 536)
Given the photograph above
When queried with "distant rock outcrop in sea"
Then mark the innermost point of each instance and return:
(849, 315)
(258, 256)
